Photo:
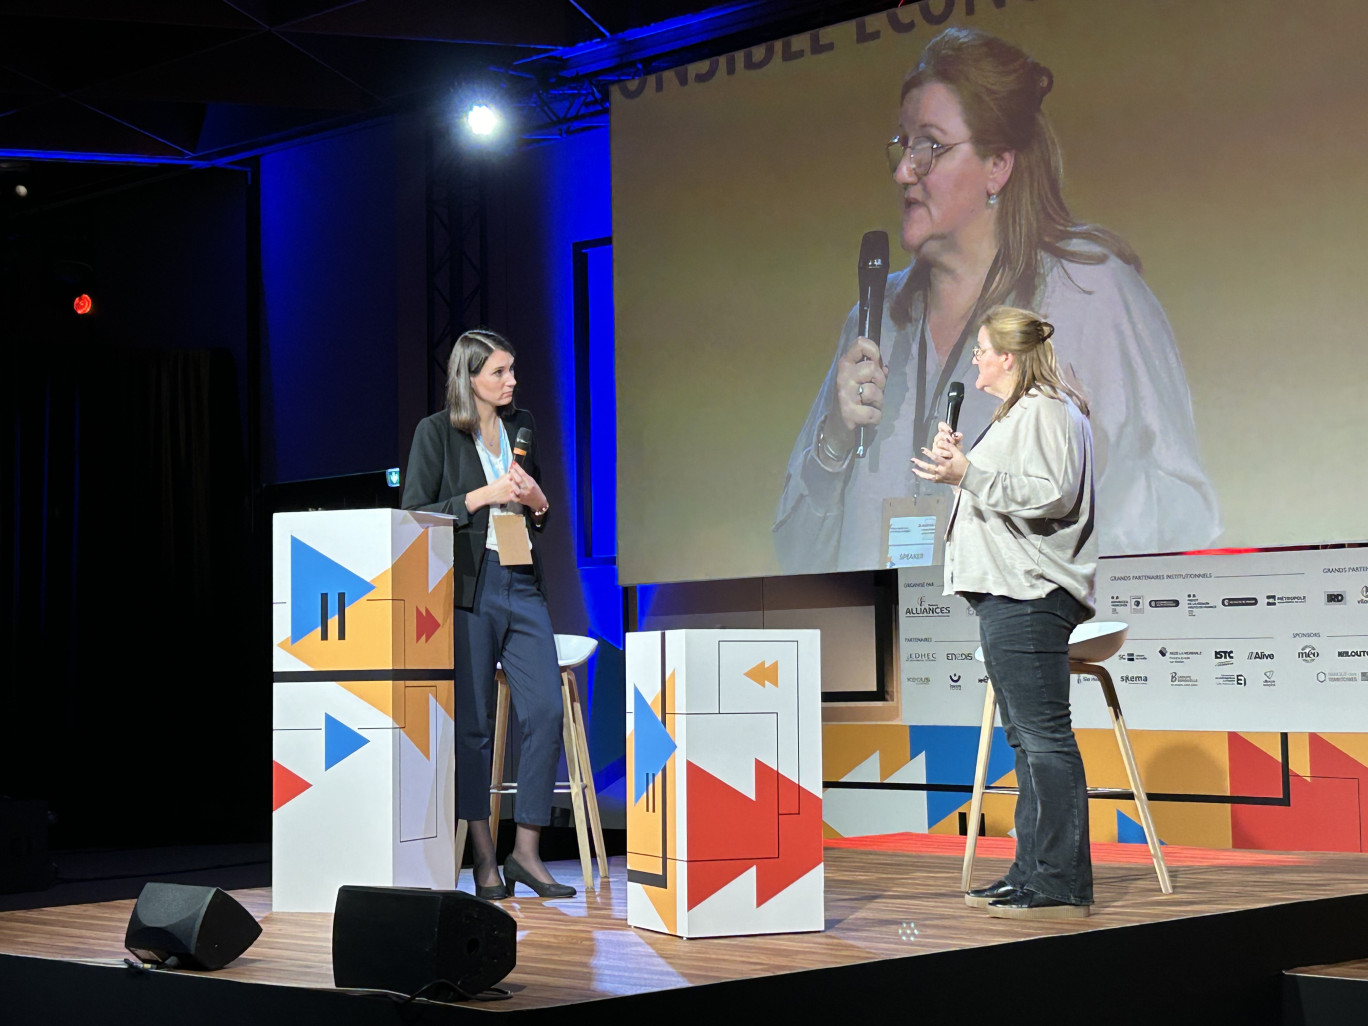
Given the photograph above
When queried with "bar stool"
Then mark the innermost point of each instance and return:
(1089, 645)
(572, 651)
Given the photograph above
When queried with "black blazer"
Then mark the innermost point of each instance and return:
(443, 466)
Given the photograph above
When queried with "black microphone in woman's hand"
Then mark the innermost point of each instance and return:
(954, 396)
(523, 443)
(873, 270)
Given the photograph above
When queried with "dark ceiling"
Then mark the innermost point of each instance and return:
(209, 80)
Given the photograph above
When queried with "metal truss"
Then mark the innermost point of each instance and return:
(457, 251)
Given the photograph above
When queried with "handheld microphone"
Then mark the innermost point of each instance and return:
(523, 443)
(873, 272)
(954, 396)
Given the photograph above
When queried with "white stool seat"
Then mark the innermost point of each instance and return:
(573, 649)
(1093, 642)
(1096, 641)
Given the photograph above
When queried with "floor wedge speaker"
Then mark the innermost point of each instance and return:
(407, 939)
(189, 927)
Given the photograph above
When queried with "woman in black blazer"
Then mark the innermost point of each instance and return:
(462, 464)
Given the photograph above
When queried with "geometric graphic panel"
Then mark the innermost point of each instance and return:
(732, 843)
(950, 754)
(286, 786)
(1326, 813)
(312, 575)
(339, 741)
(651, 748)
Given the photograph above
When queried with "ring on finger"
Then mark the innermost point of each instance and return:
(859, 392)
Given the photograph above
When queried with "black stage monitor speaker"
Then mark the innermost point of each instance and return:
(189, 927)
(407, 939)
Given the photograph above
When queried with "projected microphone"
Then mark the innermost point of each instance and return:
(873, 271)
(523, 443)
(954, 396)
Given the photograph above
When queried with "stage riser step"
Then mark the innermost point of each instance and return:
(1324, 1001)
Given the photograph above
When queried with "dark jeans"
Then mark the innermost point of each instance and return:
(1026, 649)
(509, 624)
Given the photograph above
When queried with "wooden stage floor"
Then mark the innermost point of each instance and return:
(880, 905)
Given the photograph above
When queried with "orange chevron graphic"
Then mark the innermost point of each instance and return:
(764, 673)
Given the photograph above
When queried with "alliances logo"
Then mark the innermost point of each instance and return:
(924, 608)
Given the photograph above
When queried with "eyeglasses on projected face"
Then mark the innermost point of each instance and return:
(921, 151)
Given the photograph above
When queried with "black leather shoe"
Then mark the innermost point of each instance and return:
(980, 896)
(515, 873)
(1027, 904)
(491, 892)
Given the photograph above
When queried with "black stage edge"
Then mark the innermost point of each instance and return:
(1324, 1001)
(1224, 967)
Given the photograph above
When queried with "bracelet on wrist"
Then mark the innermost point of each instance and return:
(827, 457)
(539, 513)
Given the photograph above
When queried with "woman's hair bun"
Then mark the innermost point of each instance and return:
(1045, 330)
(1044, 81)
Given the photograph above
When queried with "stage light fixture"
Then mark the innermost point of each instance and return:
(82, 304)
(482, 119)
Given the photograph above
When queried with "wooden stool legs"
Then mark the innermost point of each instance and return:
(583, 797)
(1127, 757)
(1132, 770)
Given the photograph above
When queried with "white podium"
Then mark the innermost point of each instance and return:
(362, 704)
(724, 782)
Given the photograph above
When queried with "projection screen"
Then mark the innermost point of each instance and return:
(1222, 146)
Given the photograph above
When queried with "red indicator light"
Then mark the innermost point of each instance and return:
(82, 304)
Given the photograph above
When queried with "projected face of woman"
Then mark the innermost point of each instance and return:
(494, 384)
(946, 210)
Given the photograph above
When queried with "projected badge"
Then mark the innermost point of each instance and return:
(911, 541)
(914, 530)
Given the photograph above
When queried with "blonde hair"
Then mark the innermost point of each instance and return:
(1026, 335)
(468, 356)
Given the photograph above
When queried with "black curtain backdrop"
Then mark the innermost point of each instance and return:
(130, 700)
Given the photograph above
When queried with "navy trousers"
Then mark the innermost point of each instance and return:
(508, 624)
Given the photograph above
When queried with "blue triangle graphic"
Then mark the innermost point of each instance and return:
(312, 574)
(652, 745)
(1128, 831)
(339, 741)
(950, 754)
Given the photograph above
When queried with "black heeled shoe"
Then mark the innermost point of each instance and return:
(515, 873)
(490, 892)
(979, 897)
